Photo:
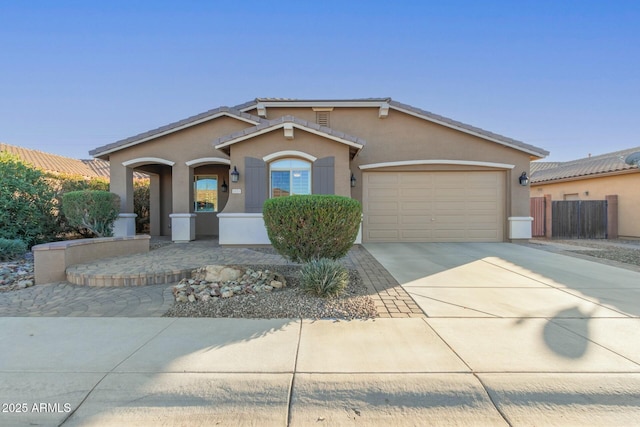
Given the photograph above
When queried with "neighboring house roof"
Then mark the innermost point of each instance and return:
(417, 112)
(355, 143)
(588, 166)
(176, 126)
(240, 112)
(50, 162)
(53, 163)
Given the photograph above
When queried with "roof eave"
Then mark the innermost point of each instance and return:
(104, 151)
(533, 151)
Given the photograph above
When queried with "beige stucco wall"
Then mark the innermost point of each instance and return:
(625, 185)
(401, 137)
(398, 137)
(273, 142)
(179, 147)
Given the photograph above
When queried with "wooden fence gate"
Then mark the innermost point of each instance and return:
(537, 212)
(579, 219)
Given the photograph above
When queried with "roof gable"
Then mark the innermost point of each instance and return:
(595, 165)
(289, 122)
(176, 126)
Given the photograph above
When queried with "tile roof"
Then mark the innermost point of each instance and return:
(50, 162)
(266, 124)
(198, 118)
(53, 163)
(594, 165)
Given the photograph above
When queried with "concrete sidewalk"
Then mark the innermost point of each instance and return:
(165, 371)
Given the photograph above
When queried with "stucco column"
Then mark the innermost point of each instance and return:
(121, 183)
(183, 220)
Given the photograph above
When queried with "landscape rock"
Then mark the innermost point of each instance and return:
(221, 273)
(206, 284)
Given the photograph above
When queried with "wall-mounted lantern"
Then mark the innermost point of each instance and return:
(353, 180)
(524, 179)
(235, 175)
(224, 186)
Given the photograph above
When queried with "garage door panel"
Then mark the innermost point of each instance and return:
(416, 193)
(434, 206)
(413, 220)
(383, 235)
(413, 179)
(383, 219)
(415, 235)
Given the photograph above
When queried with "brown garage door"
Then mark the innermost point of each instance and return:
(433, 206)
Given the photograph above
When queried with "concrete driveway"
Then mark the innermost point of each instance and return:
(558, 332)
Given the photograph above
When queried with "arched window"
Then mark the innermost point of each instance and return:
(289, 177)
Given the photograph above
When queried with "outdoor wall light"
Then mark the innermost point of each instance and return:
(224, 186)
(524, 179)
(235, 175)
(353, 180)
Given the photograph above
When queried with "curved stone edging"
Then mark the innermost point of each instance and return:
(52, 259)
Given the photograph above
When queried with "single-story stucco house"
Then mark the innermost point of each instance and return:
(420, 177)
(594, 178)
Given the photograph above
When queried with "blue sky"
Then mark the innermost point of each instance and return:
(561, 75)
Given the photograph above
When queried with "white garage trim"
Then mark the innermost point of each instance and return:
(436, 162)
(147, 160)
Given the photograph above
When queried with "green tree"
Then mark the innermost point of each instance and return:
(26, 202)
(94, 210)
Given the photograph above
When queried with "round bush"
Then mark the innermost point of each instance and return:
(324, 277)
(94, 210)
(310, 227)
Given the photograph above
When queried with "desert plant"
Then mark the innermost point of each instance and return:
(11, 249)
(26, 202)
(324, 277)
(304, 228)
(93, 210)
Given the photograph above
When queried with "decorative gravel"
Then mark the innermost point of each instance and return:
(627, 252)
(288, 302)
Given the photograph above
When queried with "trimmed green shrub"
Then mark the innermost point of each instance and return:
(26, 202)
(94, 210)
(310, 227)
(64, 183)
(141, 205)
(11, 249)
(324, 277)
